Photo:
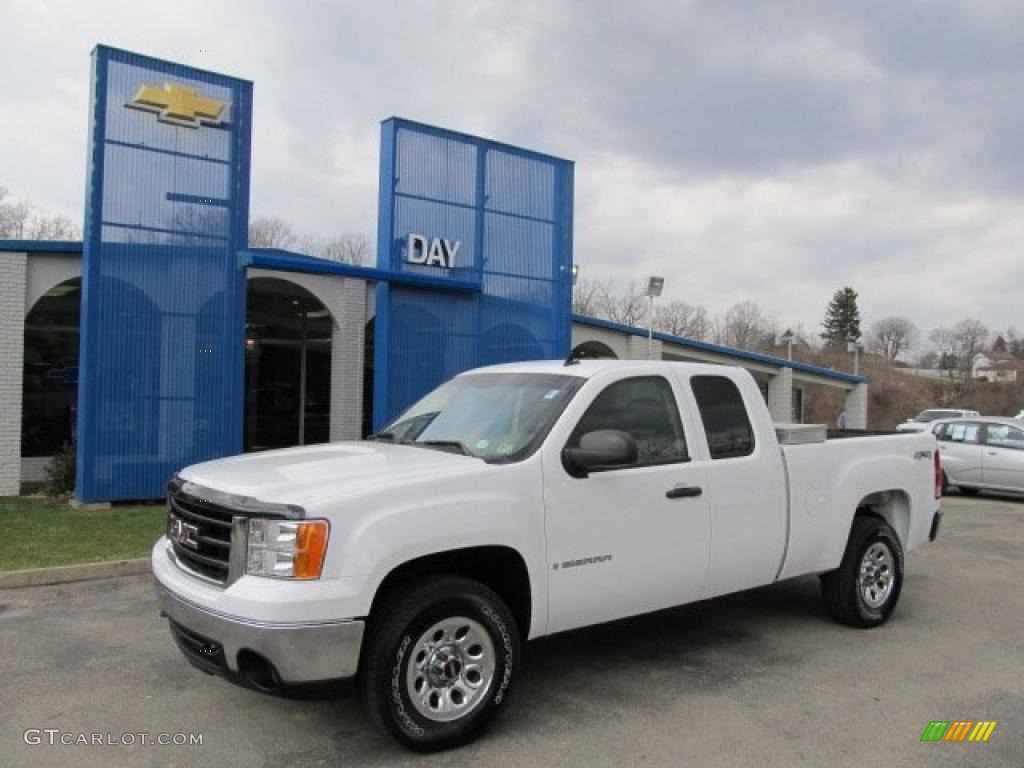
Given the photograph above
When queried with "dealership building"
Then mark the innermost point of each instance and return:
(162, 339)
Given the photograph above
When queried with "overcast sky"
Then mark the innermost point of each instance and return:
(765, 150)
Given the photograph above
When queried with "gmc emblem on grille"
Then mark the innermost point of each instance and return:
(183, 533)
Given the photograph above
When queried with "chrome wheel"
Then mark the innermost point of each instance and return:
(876, 575)
(451, 669)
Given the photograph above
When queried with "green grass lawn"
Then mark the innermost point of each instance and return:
(41, 532)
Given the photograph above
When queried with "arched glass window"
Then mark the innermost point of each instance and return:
(50, 381)
(593, 349)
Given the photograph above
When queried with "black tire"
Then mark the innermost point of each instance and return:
(945, 484)
(394, 642)
(846, 598)
(969, 491)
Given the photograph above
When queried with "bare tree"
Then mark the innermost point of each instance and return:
(14, 217)
(701, 327)
(970, 336)
(629, 308)
(587, 296)
(745, 326)
(944, 341)
(349, 248)
(271, 232)
(682, 319)
(22, 220)
(1014, 343)
(53, 226)
(196, 224)
(891, 336)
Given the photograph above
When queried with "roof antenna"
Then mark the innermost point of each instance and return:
(570, 360)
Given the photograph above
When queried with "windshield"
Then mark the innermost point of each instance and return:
(498, 417)
(926, 416)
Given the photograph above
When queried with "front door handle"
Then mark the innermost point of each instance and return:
(684, 492)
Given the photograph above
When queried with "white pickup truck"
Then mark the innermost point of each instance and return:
(513, 502)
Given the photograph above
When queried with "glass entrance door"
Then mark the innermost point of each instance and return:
(288, 366)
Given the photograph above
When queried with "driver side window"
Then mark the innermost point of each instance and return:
(645, 407)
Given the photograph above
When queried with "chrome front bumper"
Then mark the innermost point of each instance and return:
(298, 652)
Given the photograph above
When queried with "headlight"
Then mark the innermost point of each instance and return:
(286, 549)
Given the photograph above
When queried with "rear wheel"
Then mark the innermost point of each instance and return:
(439, 662)
(865, 588)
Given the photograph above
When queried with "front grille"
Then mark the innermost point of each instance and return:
(209, 549)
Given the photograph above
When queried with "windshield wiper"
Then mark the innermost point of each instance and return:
(390, 438)
(460, 447)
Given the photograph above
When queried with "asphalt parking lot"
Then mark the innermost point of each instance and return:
(762, 678)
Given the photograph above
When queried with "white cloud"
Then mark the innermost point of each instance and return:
(765, 151)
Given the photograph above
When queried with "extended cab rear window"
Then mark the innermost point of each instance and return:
(725, 419)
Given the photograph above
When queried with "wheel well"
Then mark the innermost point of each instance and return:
(893, 507)
(500, 568)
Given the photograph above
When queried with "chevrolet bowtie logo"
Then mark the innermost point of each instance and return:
(178, 105)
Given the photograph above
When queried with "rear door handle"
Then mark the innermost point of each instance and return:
(684, 492)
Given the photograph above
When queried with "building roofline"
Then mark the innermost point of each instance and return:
(737, 354)
(274, 258)
(41, 246)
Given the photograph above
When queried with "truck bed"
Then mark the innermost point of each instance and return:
(828, 481)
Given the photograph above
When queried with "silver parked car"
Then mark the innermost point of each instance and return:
(924, 419)
(982, 453)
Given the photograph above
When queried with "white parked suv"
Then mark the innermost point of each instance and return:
(982, 453)
(514, 502)
(924, 419)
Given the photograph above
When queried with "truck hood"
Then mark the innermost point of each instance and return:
(336, 470)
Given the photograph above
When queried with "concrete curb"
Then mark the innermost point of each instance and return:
(61, 574)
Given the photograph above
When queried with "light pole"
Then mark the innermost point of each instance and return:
(787, 339)
(855, 347)
(654, 286)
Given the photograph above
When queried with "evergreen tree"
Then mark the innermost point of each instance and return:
(842, 318)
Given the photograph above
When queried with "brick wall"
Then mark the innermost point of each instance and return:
(780, 396)
(347, 361)
(13, 276)
(857, 407)
(636, 348)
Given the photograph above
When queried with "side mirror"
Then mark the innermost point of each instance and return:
(600, 449)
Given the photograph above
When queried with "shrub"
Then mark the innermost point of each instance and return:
(60, 472)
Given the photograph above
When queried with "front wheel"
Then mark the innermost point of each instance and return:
(440, 661)
(864, 590)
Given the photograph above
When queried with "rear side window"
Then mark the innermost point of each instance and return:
(645, 407)
(962, 433)
(724, 416)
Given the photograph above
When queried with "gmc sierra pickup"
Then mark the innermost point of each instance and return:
(513, 502)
